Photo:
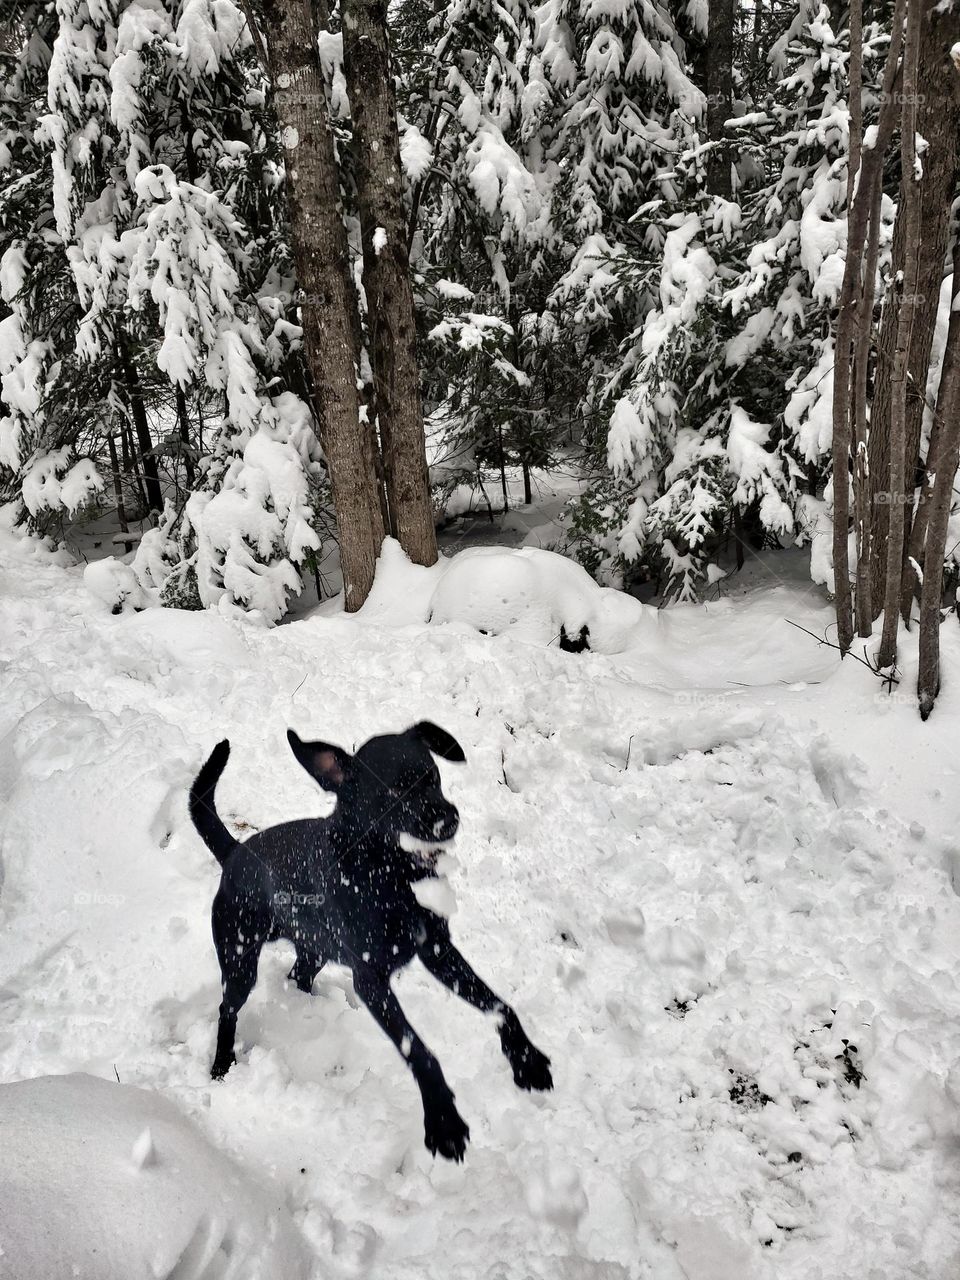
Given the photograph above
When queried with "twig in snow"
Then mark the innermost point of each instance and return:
(889, 678)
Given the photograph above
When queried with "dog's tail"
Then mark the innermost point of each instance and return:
(203, 810)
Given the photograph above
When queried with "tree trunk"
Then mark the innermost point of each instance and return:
(941, 471)
(118, 490)
(386, 277)
(851, 314)
(938, 122)
(909, 212)
(862, 348)
(319, 242)
(719, 84)
(148, 459)
(128, 461)
(186, 450)
(863, 323)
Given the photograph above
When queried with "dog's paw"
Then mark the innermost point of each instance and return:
(445, 1132)
(221, 1066)
(531, 1068)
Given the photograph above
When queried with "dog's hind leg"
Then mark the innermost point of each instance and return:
(445, 1132)
(239, 937)
(306, 967)
(531, 1068)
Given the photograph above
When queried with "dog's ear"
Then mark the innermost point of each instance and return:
(325, 763)
(440, 742)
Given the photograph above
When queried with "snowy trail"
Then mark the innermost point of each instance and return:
(697, 934)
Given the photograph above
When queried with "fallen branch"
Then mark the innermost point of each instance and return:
(889, 678)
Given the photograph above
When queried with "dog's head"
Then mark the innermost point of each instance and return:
(390, 788)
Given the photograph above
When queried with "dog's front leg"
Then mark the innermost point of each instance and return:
(531, 1068)
(445, 1132)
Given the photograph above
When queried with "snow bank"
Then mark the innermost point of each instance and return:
(533, 594)
(107, 1181)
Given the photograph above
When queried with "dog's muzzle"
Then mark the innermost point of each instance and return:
(424, 852)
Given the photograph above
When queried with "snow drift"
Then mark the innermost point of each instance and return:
(533, 594)
(105, 1181)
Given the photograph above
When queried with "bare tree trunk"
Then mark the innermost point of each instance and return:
(502, 462)
(942, 461)
(148, 459)
(938, 122)
(719, 86)
(319, 242)
(186, 451)
(386, 277)
(128, 461)
(853, 315)
(910, 212)
(861, 430)
(118, 489)
(938, 513)
(863, 323)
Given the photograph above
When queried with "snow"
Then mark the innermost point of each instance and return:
(437, 895)
(101, 1179)
(454, 291)
(416, 153)
(529, 592)
(714, 871)
(115, 583)
(54, 481)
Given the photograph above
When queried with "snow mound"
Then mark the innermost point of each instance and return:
(108, 1181)
(115, 584)
(537, 595)
(531, 593)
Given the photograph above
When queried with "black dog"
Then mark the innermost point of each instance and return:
(339, 889)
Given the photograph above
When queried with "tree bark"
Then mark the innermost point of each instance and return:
(719, 86)
(861, 431)
(851, 314)
(386, 277)
(148, 459)
(906, 310)
(938, 122)
(118, 490)
(863, 323)
(937, 500)
(319, 242)
(186, 451)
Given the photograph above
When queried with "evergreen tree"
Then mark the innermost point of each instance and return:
(721, 419)
(145, 265)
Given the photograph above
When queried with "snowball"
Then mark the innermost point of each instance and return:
(436, 894)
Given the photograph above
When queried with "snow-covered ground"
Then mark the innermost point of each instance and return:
(715, 873)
